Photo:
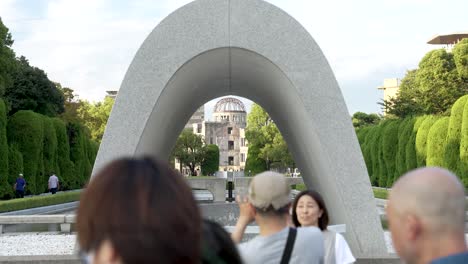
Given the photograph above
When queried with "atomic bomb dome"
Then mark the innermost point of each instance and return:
(229, 104)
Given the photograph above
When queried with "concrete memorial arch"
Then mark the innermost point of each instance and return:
(249, 48)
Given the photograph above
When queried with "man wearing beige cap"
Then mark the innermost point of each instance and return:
(268, 204)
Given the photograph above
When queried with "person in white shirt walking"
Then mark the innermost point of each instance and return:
(53, 183)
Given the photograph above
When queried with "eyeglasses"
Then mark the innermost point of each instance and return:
(86, 257)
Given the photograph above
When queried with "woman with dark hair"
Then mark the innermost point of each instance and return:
(309, 210)
(218, 247)
(138, 211)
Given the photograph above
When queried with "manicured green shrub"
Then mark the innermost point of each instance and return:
(463, 165)
(78, 137)
(404, 134)
(50, 149)
(366, 148)
(380, 193)
(210, 163)
(436, 142)
(374, 150)
(5, 188)
(411, 159)
(65, 170)
(421, 139)
(39, 201)
(25, 129)
(452, 148)
(389, 151)
(15, 167)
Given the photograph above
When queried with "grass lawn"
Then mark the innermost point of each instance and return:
(38, 201)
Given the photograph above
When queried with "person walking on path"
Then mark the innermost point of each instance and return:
(20, 185)
(54, 183)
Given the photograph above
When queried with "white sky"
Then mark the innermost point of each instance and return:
(88, 45)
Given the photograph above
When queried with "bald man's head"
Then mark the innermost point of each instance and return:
(434, 195)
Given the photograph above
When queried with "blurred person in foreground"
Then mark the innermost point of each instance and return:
(138, 211)
(217, 248)
(268, 204)
(309, 209)
(426, 216)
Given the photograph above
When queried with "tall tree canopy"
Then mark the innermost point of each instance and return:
(435, 86)
(266, 141)
(189, 150)
(7, 58)
(32, 90)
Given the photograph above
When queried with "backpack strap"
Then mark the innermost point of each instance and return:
(289, 246)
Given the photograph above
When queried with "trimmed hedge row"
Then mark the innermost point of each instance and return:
(396, 146)
(38, 146)
(39, 201)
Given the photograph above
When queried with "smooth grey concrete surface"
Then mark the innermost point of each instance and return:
(216, 186)
(45, 259)
(249, 48)
(51, 209)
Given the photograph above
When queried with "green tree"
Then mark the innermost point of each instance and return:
(439, 82)
(32, 90)
(389, 150)
(66, 170)
(189, 150)
(435, 86)
(95, 116)
(77, 136)
(7, 58)
(254, 164)
(460, 55)
(436, 142)
(15, 166)
(25, 130)
(267, 142)
(405, 130)
(5, 187)
(421, 139)
(463, 165)
(452, 147)
(411, 156)
(210, 163)
(50, 157)
(361, 119)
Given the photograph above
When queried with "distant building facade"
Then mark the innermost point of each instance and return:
(227, 131)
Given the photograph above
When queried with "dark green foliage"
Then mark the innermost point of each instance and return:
(366, 151)
(436, 142)
(39, 201)
(452, 148)
(389, 151)
(460, 55)
(5, 187)
(411, 157)
(421, 140)
(404, 134)
(210, 163)
(7, 58)
(374, 145)
(78, 153)
(15, 166)
(25, 129)
(66, 171)
(254, 164)
(361, 119)
(50, 149)
(32, 90)
(463, 165)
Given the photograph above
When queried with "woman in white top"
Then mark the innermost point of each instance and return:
(309, 210)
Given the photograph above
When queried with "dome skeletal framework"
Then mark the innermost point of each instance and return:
(229, 104)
